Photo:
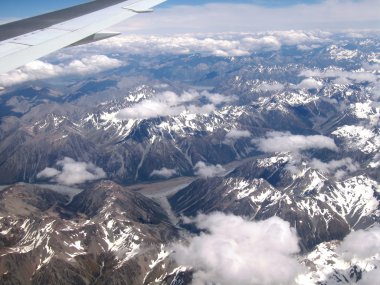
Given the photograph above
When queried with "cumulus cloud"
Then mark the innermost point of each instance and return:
(71, 172)
(267, 42)
(341, 76)
(340, 167)
(171, 104)
(204, 170)
(309, 83)
(372, 67)
(233, 250)
(216, 98)
(307, 47)
(287, 142)
(37, 70)
(48, 172)
(360, 249)
(164, 172)
(179, 44)
(236, 134)
(370, 278)
(149, 109)
(234, 17)
(376, 91)
(217, 44)
(362, 243)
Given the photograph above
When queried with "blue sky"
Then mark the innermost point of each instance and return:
(24, 8)
(187, 16)
(267, 3)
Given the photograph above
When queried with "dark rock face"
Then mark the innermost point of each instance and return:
(310, 203)
(104, 235)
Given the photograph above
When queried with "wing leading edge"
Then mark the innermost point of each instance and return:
(29, 39)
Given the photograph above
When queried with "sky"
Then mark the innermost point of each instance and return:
(204, 16)
(257, 16)
(25, 8)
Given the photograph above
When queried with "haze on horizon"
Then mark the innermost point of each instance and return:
(210, 16)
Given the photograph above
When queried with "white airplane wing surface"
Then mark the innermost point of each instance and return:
(29, 39)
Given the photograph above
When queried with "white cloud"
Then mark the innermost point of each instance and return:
(171, 104)
(236, 251)
(309, 83)
(233, 17)
(307, 47)
(362, 77)
(342, 81)
(48, 172)
(332, 262)
(376, 91)
(216, 98)
(72, 172)
(343, 166)
(287, 142)
(179, 44)
(164, 172)
(370, 278)
(372, 67)
(149, 109)
(339, 168)
(295, 163)
(236, 134)
(218, 44)
(362, 243)
(205, 109)
(204, 170)
(341, 76)
(37, 70)
(269, 42)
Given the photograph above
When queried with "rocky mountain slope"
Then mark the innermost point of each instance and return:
(102, 236)
(318, 208)
(289, 132)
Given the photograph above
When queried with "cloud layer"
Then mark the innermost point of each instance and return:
(337, 167)
(236, 134)
(237, 251)
(37, 70)
(71, 172)
(208, 170)
(164, 173)
(94, 56)
(310, 83)
(341, 76)
(362, 243)
(171, 104)
(218, 44)
(287, 142)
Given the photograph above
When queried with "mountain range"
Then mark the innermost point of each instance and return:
(104, 173)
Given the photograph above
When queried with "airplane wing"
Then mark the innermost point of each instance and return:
(29, 39)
